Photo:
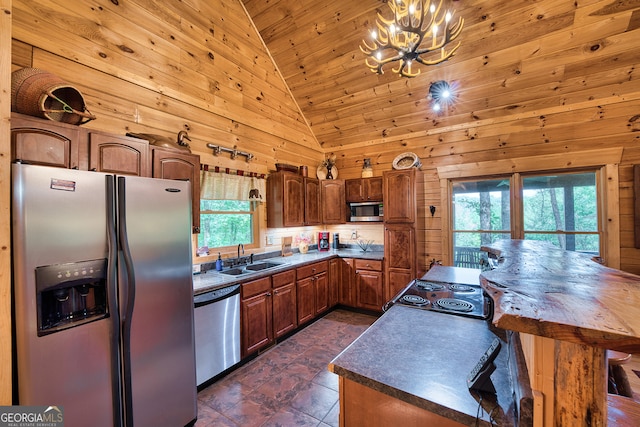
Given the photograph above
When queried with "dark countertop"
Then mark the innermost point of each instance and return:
(542, 290)
(213, 279)
(423, 357)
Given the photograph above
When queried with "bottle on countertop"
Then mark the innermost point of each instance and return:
(219, 263)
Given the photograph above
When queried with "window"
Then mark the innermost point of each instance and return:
(227, 223)
(561, 209)
(229, 205)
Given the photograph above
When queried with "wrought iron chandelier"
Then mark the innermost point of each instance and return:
(419, 31)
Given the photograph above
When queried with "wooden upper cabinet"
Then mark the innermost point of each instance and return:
(285, 200)
(312, 212)
(399, 196)
(119, 154)
(334, 205)
(183, 166)
(364, 189)
(44, 142)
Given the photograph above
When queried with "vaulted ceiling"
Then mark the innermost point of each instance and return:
(516, 57)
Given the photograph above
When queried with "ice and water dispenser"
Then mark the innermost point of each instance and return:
(71, 294)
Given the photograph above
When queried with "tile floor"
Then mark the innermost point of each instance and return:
(288, 385)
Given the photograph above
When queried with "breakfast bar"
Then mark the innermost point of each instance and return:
(412, 364)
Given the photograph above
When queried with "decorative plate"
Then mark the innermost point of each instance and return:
(321, 173)
(406, 161)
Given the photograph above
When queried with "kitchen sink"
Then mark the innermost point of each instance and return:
(261, 266)
(234, 271)
(250, 268)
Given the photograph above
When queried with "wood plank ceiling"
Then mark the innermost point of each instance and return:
(516, 57)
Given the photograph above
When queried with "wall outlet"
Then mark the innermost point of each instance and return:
(354, 234)
(196, 268)
(269, 239)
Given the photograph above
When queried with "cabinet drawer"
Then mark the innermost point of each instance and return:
(256, 287)
(368, 264)
(312, 269)
(283, 278)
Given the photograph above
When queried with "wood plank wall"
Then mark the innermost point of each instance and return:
(5, 197)
(571, 87)
(161, 67)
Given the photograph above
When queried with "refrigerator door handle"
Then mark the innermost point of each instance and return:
(112, 279)
(127, 310)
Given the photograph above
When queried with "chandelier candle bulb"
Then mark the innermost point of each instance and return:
(401, 37)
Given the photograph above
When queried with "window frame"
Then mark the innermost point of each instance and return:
(255, 221)
(604, 161)
(517, 228)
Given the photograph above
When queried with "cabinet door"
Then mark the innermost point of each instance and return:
(334, 205)
(353, 190)
(257, 326)
(345, 291)
(399, 196)
(373, 188)
(400, 257)
(172, 164)
(335, 276)
(369, 290)
(119, 154)
(285, 315)
(312, 212)
(43, 142)
(306, 296)
(321, 290)
(285, 200)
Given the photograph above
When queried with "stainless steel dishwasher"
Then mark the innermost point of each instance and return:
(217, 331)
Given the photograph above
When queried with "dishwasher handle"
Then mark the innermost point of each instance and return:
(215, 295)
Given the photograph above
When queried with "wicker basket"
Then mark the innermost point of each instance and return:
(39, 93)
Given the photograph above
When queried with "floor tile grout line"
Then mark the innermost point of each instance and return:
(326, 328)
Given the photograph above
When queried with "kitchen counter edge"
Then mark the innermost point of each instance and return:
(212, 279)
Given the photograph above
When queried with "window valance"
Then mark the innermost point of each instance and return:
(224, 184)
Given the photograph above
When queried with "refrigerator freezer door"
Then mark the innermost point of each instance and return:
(162, 387)
(59, 217)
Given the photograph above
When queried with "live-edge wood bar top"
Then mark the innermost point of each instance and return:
(546, 291)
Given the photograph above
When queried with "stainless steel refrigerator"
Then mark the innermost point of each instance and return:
(103, 297)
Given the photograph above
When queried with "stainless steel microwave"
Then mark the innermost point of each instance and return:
(366, 212)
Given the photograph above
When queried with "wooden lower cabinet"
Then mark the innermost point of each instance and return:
(312, 289)
(369, 284)
(269, 310)
(364, 406)
(285, 315)
(362, 284)
(335, 277)
(256, 307)
(346, 294)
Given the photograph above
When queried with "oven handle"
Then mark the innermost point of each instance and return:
(396, 297)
